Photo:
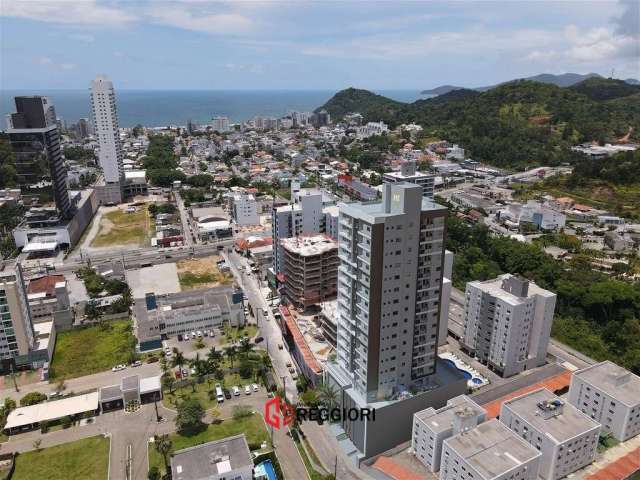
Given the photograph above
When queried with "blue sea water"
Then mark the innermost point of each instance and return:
(159, 108)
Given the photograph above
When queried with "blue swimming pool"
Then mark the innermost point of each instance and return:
(466, 374)
(268, 469)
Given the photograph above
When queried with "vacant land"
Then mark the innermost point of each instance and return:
(202, 273)
(252, 426)
(87, 459)
(122, 228)
(87, 350)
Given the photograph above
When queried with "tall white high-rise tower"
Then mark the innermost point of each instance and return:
(105, 120)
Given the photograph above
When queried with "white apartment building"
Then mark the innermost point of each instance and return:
(488, 452)
(610, 395)
(408, 173)
(370, 129)
(105, 121)
(16, 330)
(566, 437)
(244, 209)
(389, 283)
(220, 124)
(507, 323)
(431, 427)
(533, 213)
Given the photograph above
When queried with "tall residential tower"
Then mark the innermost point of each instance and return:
(105, 121)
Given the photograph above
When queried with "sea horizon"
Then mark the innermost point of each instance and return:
(163, 107)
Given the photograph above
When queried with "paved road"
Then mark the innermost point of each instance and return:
(268, 328)
(81, 384)
(184, 218)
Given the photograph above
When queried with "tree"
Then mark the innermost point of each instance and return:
(168, 382)
(246, 347)
(154, 474)
(32, 398)
(241, 411)
(190, 415)
(309, 397)
(178, 358)
(328, 395)
(231, 352)
(214, 355)
(246, 369)
(163, 446)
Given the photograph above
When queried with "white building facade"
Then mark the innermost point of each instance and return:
(408, 173)
(105, 121)
(245, 209)
(507, 323)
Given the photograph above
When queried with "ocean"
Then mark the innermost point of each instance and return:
(158, 108)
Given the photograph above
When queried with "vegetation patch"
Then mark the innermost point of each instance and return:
(122, 228)
(86, 350)
(87, 459)
(202, 273)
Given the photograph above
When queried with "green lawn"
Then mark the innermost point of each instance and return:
(253, 427)
(122, 228)
(87, 459)
(202, 391)
(233, 334)
(86, 350)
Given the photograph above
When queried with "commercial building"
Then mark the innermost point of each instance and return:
(408, 173)
(507, 323)
(431, 427)
(49, 301)
(489, 451)
(35, 141)
(610, 395)
(566, 437)
(157, 317)
(534, 214)
(310, 273)
(389, 285)
(130, 389)
(105, 121)
(224, 459)
(244, 209)
(357, 189)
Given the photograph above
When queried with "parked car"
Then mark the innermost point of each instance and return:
(247, 390)
(137, 363)
(259, 339)
(206, 333)
(186, 337)
(117, 368)
(179, 337)
(227, 394)
(236, 391)
(292, 370)
(255, 387)
(199, 334)
(185, 372)
(280, 347)
(288, 364)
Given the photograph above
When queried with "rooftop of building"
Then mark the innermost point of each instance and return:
(492, 449)
(211, 459)
(309, 245)
(613, 380)
(441, 420)
(45, 285)
(545, 411)
(511, 289)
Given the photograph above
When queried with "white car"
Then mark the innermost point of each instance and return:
(117, 368)
(137, 363)
(247, 390)
(199, 333)
(236, 391)
(186, 337)
(255, 387)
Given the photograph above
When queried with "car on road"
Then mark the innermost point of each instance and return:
(292, 370)
(118, 368)
(288, 364)
(227, 394)
(247, 390)
(294, 375)
(280, 347)
(236, 391)
(255, 387)
(137, 363)
(259, 339)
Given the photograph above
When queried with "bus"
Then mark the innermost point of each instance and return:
(219, 394)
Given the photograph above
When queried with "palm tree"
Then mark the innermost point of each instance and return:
(163, 446)
(214, 355)
(328, 395)
(199, 366)
(168, 382)
(231, 352)
(246, 347)
(178, 359)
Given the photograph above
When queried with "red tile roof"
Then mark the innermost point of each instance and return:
(621, 469)
(553, 384)
(394, 470)
(298, 338)
(45, 284)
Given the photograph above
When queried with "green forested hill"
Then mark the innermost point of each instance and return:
(515, 125)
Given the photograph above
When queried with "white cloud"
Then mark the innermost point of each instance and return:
(72, 12)
(248, 67)
(44, 61)
(50, 63)
(83, 37)
(206, 22)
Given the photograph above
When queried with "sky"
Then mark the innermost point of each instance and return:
(303, 44)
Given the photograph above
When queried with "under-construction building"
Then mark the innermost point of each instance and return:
(310, 273)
